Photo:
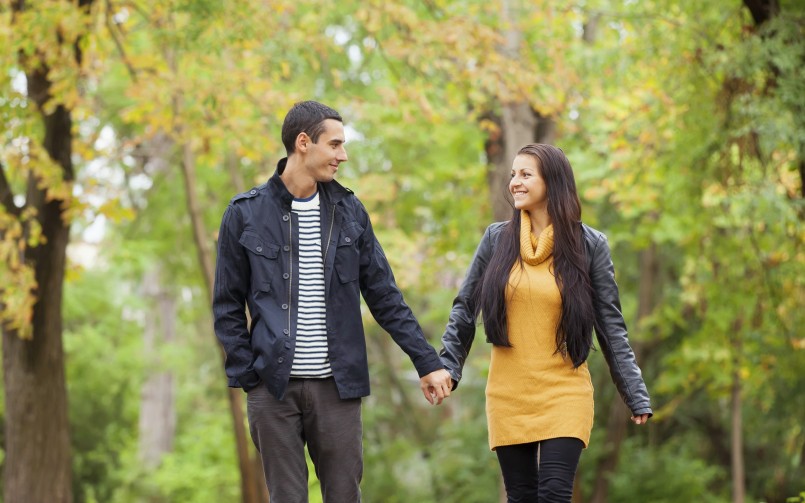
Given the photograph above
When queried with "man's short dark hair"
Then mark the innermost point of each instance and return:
(306, 117)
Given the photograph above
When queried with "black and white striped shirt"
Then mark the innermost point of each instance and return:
(310, 358)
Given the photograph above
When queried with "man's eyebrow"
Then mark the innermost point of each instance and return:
(337, 140)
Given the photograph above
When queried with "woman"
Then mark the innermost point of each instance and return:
(543, 281)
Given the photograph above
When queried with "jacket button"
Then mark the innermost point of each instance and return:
(285, 306)
(259, 249)
(286, 248)
(286, 276)
(252, 192)
(285, 218)
(286, 331)
(280, 359)
(347, 240)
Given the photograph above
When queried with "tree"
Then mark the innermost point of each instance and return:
(48, 41)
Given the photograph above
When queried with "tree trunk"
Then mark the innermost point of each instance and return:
(736, 415)
(616, 434)
(37, 450)
(502, 498)
(404, 408)
(618, 420)
(518, 125)
(157, 409)
(577, 497)
(762, 10)
(252, 486)
(738, 485)
(37, 436)
(236, 177)
(802, 174)
(233, 167)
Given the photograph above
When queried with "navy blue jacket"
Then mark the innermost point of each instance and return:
(258, 257)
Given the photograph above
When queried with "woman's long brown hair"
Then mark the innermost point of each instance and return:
(574, 331)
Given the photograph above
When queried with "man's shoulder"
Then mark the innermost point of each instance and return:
(336, 190)
(335, 193)
(249, 194)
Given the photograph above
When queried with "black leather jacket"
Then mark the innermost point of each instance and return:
(258, 256)
(610, 326)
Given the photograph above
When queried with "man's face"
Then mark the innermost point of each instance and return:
(323, 157)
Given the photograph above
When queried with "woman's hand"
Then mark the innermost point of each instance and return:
(436, 386)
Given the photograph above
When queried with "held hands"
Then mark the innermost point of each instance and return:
(436, 386)
(641, 419)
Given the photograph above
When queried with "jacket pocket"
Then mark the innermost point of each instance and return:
(262, 259)
(347, 253)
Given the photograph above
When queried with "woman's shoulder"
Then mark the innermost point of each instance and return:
(591, 232)
(592, 237)
(494, 229)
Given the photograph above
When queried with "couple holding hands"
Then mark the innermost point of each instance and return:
(299, 251)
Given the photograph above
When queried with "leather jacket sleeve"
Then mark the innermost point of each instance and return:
(610, 327)
(460, 332)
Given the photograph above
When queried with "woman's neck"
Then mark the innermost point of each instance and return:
(539, 221)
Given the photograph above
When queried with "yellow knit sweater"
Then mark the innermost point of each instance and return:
(533, 393)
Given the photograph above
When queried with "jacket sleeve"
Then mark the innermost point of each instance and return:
(460, 331)
(232, 280)
(610, 330)
(385, 301)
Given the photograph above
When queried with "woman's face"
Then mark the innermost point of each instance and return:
(527, 186)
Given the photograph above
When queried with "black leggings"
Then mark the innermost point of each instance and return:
(548, 481)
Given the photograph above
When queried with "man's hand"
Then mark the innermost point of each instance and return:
(641, 419)
(436, 386)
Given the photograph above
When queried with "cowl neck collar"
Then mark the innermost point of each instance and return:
(534, 250)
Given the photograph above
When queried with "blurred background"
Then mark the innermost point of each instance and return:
(128, 125)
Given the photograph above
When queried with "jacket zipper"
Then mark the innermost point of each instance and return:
(330, 234)
(290, 262)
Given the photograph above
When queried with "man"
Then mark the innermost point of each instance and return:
(299, 250)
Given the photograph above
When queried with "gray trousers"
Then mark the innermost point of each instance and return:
(311, 413)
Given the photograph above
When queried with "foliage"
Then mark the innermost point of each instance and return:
(686, 477)
(105, 371)
(683, 122)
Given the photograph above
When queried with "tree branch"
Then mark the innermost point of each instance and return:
(6, 194)
(110, 25)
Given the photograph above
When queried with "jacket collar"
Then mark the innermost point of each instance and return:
(331, 191)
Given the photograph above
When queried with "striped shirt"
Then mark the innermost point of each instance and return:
(310, 358)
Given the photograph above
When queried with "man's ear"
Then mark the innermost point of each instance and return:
(302, 142)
